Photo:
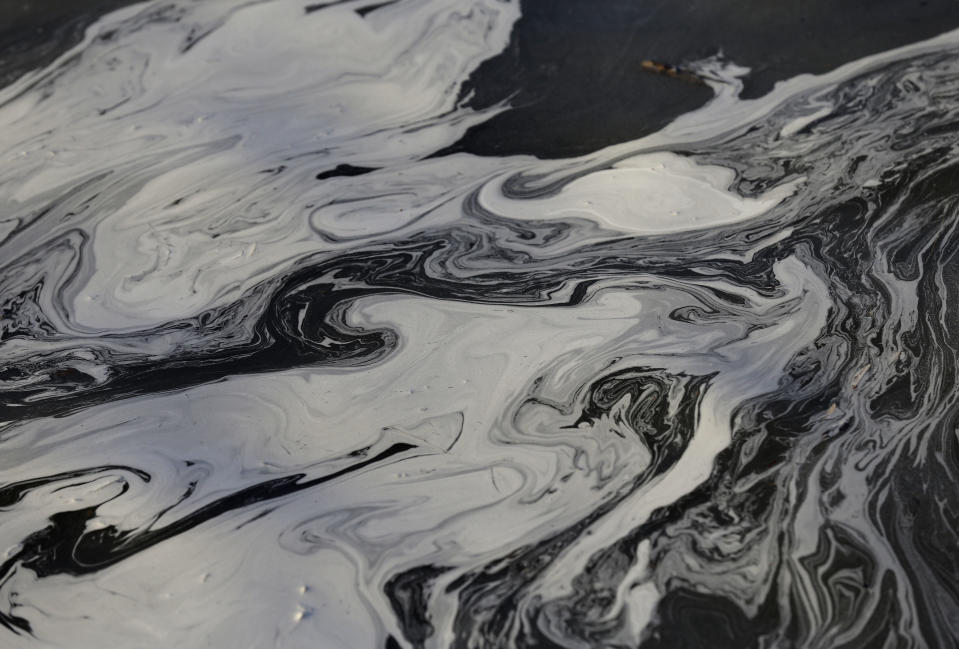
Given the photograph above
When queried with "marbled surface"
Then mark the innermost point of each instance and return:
(277, 374)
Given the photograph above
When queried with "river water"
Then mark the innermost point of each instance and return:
(284, 365)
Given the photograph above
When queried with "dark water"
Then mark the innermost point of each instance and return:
(286, 362)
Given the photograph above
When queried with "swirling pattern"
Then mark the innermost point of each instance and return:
(276, 373)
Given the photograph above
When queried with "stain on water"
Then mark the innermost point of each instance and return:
(275, 374)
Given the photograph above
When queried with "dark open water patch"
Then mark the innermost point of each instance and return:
(573, 78)
(283, 362)
(34, 32)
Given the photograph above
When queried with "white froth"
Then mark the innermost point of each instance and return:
(189, 212)
(653, 193)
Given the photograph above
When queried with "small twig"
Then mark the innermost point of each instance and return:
(672, 71)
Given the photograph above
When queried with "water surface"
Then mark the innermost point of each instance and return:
(286, 363)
